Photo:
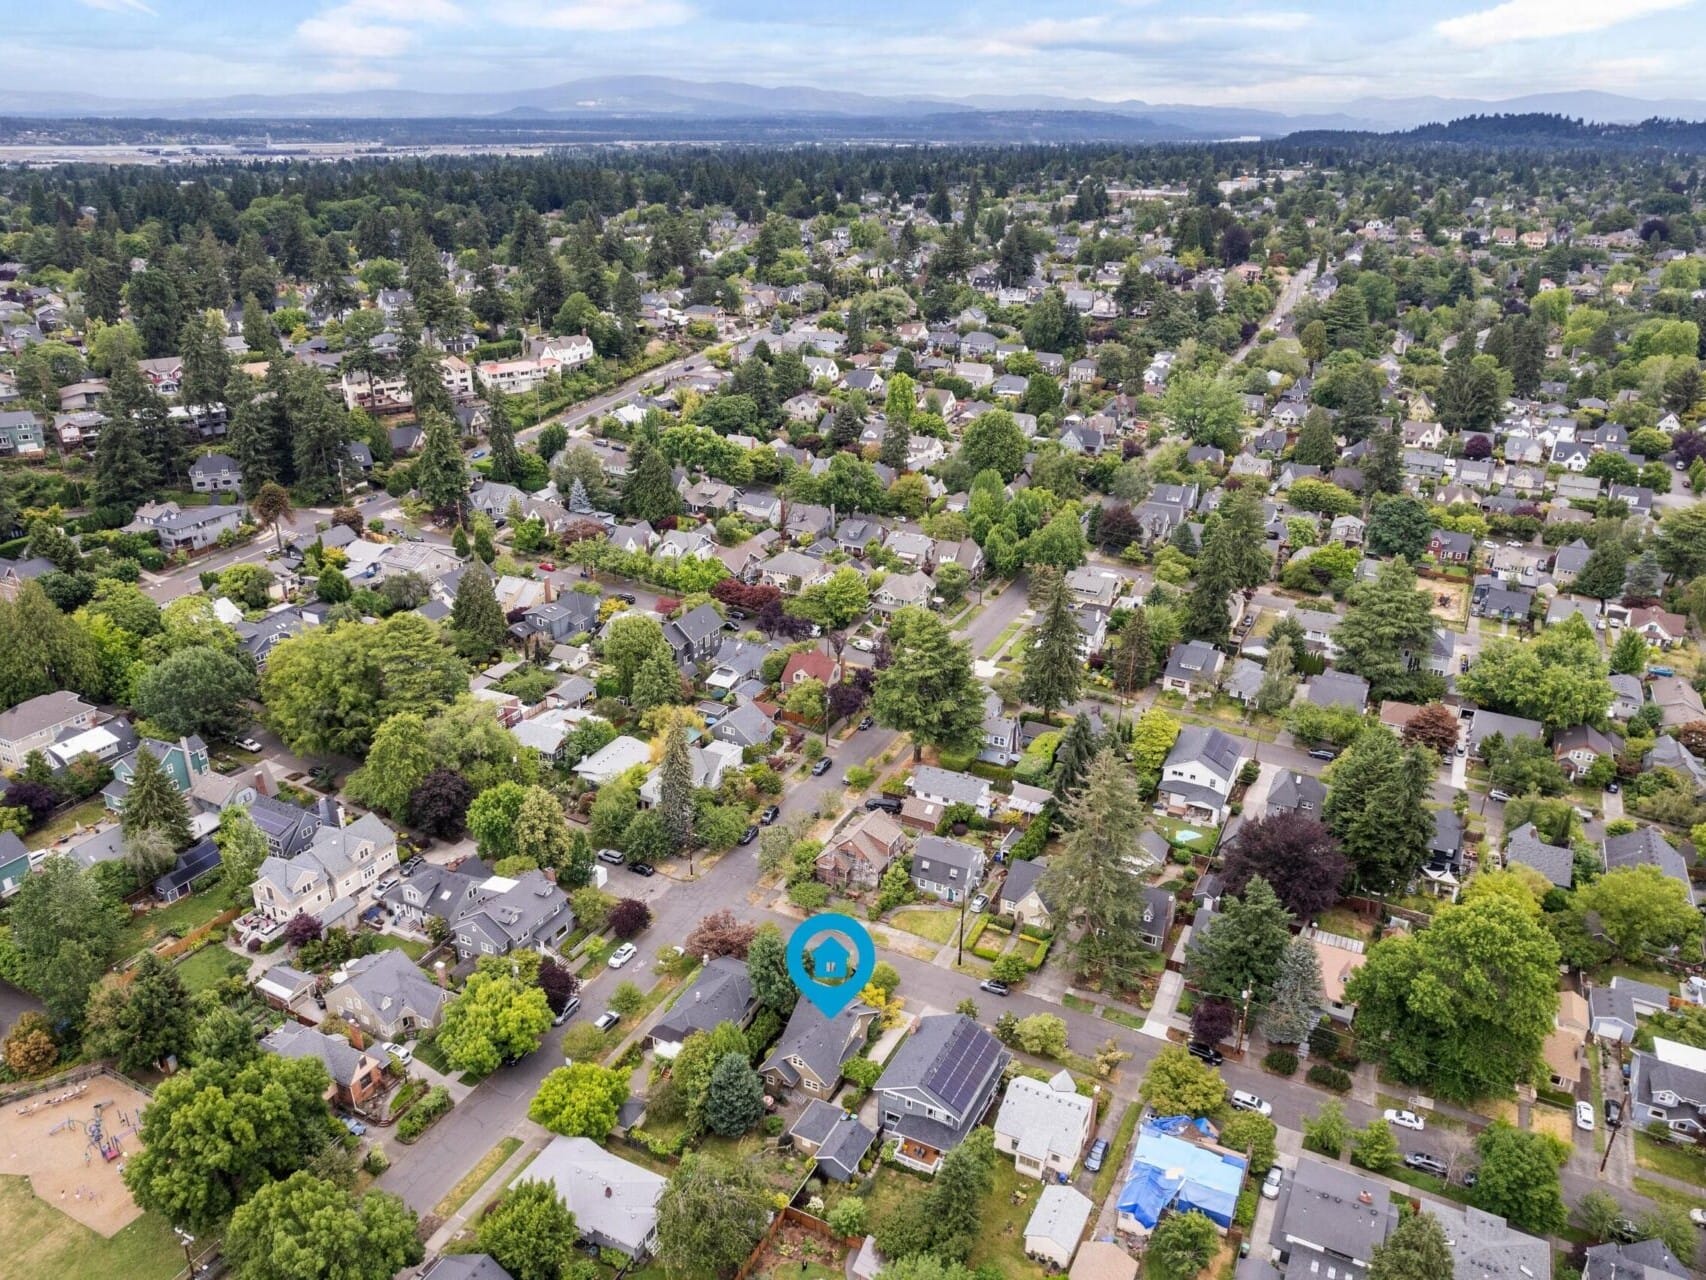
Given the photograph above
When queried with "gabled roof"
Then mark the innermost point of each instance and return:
(948, 1058)
(721, 993)
(293, 1040)
(823, 1044)
(1219, 752)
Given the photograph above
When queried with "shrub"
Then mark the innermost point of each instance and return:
(773, 1126)
(809, 895)
(377, 1162)
(420, 1118)
(1329, 1078)
(1281, 1062)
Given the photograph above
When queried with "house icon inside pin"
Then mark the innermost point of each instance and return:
(831, 960)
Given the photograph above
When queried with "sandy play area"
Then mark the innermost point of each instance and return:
(51, 1139)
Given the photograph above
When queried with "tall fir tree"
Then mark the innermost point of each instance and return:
(675, 787)
(500, 436)
(476, 622)
(154, 804)
(1134, 664)
(1053, 671)
(1295, 1003)
(649, 493)
(441, 476)
(1092, 878)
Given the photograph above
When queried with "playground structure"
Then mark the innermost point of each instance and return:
(75, 1159)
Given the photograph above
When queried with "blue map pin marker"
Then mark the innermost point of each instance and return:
(840, 971)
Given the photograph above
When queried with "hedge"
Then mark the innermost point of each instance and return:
(1280, 1062)
(420, 1116)
(977, 928)
(1329, 1078)
(1039, 953)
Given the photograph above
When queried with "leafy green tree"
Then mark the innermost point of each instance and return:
(1053, 671)
(1256, 1136)
(710, 1216)
(1518, 1177)
(1629, 654)
(649, 492)
(928, 689)
(1374, 1147)
(154, 803)
(494, 1018)
(1640, 909)
(835, 603)
(1242, 952)
(1204, 409)
(766, 963)
(1093, 880)
(142, 1022)
(1681, 542)
(1152, 739)
(196, 691)
(1559, 678)
(734, 1102)
(628, 641)
(1468, 396)
(1177, 1084)
(1377, 809)
(994, 443)
(63, 933)
(1388, 620)
(581, 1101)
(307, 1228)
(530, 1233)
(242, 846)
(1417, 1249)
(1603, 574)
(1400, 526)
(1327, 1130)
(1182, 1244)
(216, 1134)
(1315, 445)
(1463, 1006)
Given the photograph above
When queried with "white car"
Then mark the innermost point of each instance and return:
(624, 953)
(1404, 1119)
(1584, 1116)
(1271, 1184)
(402, 1052)
(1242, 1101)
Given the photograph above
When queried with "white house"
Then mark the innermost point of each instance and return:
(614, 759)
(1200, 772)
(332, 872)
(1044, 1125)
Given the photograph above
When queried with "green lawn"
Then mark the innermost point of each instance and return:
(1664, 1193)
(429, 1052)
(41, 1241)
(181, 918)
(1001, 1240)
(1432, 1185)
(414, 948)
(936, 925)
(1345, 923)
(1668, 1158)
(85, 813)
(209, 967)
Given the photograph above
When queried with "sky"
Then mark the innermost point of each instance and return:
(1289, 54)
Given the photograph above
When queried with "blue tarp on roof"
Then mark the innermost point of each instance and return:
(1169, 1172)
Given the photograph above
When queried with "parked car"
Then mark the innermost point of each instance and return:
(402, 1052)
(609, 1018)
(863, 644)
(1697, 1217)
(770, 814)
(866, 722)
(1500, 796)
(1271, 1183)
(1321, 753)
(1612, 788)
(642, 869)
(1471, 1177)
(1584, 813)
(749, 835)
(1584, 1116)
(979, 903)
(624, 953)
(571, 1006)
(993, 987)
(1098, 1153)
(1424, 1163)
(1242, 1101)
(612, 856)
(1403, 1119)
(889, 804)
(1207, 1052)
(823, 766)
(1613, 1113)
(249, 744)
(354, 1126)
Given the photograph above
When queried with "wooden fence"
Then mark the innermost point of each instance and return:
(88, 1071)
(791, 1216)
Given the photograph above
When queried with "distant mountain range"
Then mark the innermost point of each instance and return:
(608, 98)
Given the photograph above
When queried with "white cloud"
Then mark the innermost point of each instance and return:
(366, 29)
(592, 15)
(120, 6)
(1543, 19)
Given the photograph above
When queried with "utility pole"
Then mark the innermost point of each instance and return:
(960, 940)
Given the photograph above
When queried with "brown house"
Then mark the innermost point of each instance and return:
(813, 1048)
(357, 1076)
(858, 859)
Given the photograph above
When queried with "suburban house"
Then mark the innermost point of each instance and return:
(937, 1086)
(1044, 1125)
(1668, 1086)
(1339, 957)
(834, 1138)
(945, 868)
(1175, 1168)
(193, 530)
(1022, 893)
(35, 724)
(1555, 862)
(857, 858)
(1615, 1012)
(1056, 1225)
(14, 863)
(1200, 772)
(1330, 1217)
(1564, 1049)
(813, 1048)
(529, 911)
(614, 1202)
(325, 879)
(1483, 1244)
(356, 1075)
(1646, 846)
(1193, 669)
(216, 473)
(614, 759)
(1294, 792)
(696, 635)
(1156, 920)
(945, 787)
(386, 996)
(721, 993)
(1643, 1260)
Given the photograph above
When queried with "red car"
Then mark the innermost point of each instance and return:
(547, 566)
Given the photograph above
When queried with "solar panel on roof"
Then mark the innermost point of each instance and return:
(963, 1065)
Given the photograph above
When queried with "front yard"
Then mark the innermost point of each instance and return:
(936, 924)
(1001, 1240)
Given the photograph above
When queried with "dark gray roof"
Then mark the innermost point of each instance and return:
(932, 854)
(1323, 1204)
(1023, 876)
(821, 1043)
(193, 863)
(293, 1040)
(389, 979)
(1338, 689)
(1526, 847)
(465, 1266)
(947, 1056)
(721, 993)
(839, 1137)
(1645, 1260)
(1646, 847)
(1218, 751)
(1293, 791)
